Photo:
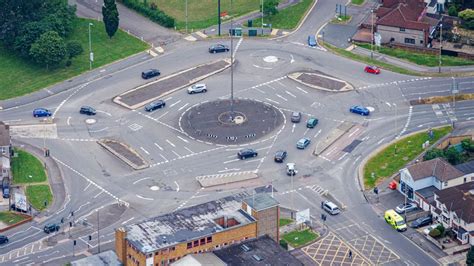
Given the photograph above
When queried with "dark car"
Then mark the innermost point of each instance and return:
(49, 228)
(218, 48)
(357, 109)
(303, 143)
(423, 221)
(296, 117)
(312, 122)
(87, 110)
(247, 153)
(150, 73)
(280, 156)
(41, 112)
(6, 187)
(14, 208)
(155, 105)
(372, 70)
(312, 40)
(3, 239)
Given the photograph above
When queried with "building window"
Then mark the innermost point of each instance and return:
(202, 241)
(421, 41)
(209, 238)
(446, 183)
(189, 245)
(465, 180)
(173, 248)
(409, 40)
(196, 243)
(402, 29)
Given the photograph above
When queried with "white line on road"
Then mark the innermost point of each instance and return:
(182, 107)
(188, 149)
(141, 179)
(317, 134)
(88, 185)
(260, 90)
(87, 203)
(270, 100)
(183, 139)
(389, 105)
(177, 186)
(342, 157)
(291, 94)
(228, 170)
(54, 258)
(159, 117)
(159, 147)
(173, 104)
(293, 128)
(170, 143)
(306, 131)
(141, 197)
(380, 141)
(68, 120)
(18, 260)
(99, 111)
(254, 160)
(164, 158)
(98, 130)
(13, 120)
(231, 161)
(167, 99)
(200, 196)
(124, 222)
(145, 151)
(65, 204)
(300, 89)
(355, 131)
(281, 97)
(175, 153)
(98, 194)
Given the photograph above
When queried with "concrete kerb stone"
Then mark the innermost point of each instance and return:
(360, 171)
(295, 76)
(118, 101)
(222, 179)
(342, 129)
(103, 143)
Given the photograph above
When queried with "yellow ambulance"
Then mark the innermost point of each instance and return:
(395, 220)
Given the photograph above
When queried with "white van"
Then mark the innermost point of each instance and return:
(331, 207)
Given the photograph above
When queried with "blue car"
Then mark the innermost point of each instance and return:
(312, 40)
(357, 109)
(303, 143)
(41, 112)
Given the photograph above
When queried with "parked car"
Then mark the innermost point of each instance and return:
(3, 239)
(408, 207)
(14, 208)
(296, 117)
(312, 40)
(87, 110)
(155, 105)
(6, 187)
(150, 73)
(312, 122)
(427, 230)
(218, 48)
(358, 109)
(280, 156)
(291, 169)
(247, 153)
(395, 220)
(49, 228)
(422, 221)
(303, 143)
(197, 88)
(331, 208)
(41, 112)
(372, 70)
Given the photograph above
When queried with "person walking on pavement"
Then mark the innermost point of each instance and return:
(350, 254)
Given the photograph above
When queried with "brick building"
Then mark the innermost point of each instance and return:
(205, 227)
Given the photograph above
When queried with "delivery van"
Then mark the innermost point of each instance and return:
(395, 220)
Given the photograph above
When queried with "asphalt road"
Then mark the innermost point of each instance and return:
(95, 180)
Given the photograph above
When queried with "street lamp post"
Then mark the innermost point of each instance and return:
(372, 35)
(262, 14)
(232, 62)
(186, 12)
(440, 46)
(91, 54)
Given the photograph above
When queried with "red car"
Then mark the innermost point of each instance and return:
(372, 69)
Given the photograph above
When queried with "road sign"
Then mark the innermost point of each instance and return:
(20, 202)
(302, 216)
(378, 39)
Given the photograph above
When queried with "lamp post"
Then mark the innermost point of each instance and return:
(372, 35)
(440, 46)
(232, 62)
(186, 12)
(262, 14)
(91, 54)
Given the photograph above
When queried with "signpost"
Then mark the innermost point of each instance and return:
(302, 216)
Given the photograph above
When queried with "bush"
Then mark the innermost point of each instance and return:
(283, 244)
(435, 233)
(74, 48)
(441, 229)
(453, 11)
(157, 15)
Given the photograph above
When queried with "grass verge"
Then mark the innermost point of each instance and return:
(285, 221)
(300, 238)
(287, 18)
(391, 159)
(26, 168)
(38, 194)
(447, 99)
(422, 59)
(357, 2)
(10, 218)
(20, 76)
(341, 19)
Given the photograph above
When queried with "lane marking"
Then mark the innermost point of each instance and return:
(173, 104)
(68, 120)
(170, 143)
(281, 97)
(141, 179)
(270, 100)
(124, 222)
(175, 153)
(231, 161)
(183, 139)
(188, 149)
(145, 198)
(145, 151)
(291, 94)
(159, 117)
(159, 147)
(104, 112)
(317, 134)
(164, 158)
(182, 107)
(177, 186)
(300, 89)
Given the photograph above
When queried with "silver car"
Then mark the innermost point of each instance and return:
(197, 88)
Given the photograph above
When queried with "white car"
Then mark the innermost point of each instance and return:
(428, 229)
(197, 88)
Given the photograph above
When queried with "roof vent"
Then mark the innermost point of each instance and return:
(257, 258)
(245, 248)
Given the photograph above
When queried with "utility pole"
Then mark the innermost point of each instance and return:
(232, 62)
(186, 11)
(262, 14)
(372, 35)
(98, 233)
(91, 54)
(440, 46)
(219, 17)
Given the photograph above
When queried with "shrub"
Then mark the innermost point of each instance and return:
(157, 15)
(283, 244)
(453, 11)
(74, 48)
(441, 229)
(435, 233)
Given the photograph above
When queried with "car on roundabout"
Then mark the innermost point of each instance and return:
(218, 48)
(280, 156)
(291, 169)
(87, 110)
(247, 153)
(155, 105)
(41, 112)
(197, 88)
(359, 109)
(303, 143)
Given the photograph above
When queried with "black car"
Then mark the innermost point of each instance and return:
(3, 239)
(423, 221)
(246, 153)
(87, 110)
(280, 156)
(150, 73)
(49, 228)
(218, 48)
(155, 105)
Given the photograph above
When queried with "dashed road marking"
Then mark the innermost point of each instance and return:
(159, 147)
(300, 89)
(173, 104)
(145, 151)
(270, 100)
(183, 139)
(170, 143)
(281, 97)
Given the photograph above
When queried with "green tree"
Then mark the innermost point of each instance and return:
(467, 15)
(467, 145)
(453, 156)
(270, 7)
(74, 48)
(49, 49)
(111, 17)
(453, 11)
(433, 153)
(470, 257)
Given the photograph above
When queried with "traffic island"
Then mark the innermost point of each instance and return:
(214, 123)
(224, 179)
(125, 153)
(321, 81)
(149, 92)
(332, 137)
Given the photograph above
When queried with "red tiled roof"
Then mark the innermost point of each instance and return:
(404, 14)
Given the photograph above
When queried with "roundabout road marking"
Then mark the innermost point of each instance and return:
(98, 130)
(177, 186)
(104, 112)
(267, 68)
(141, 179)
(141, 197)
(270, 59)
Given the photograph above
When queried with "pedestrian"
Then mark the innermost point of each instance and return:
(322, 204)
(350, 254)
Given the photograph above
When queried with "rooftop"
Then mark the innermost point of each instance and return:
(205, 259)
(259, 251)
(466, 168)
(402, 13)
(187, 224)
(437, 167)
(459, 199)
(108, 258)
(261, 201)
(4, 134)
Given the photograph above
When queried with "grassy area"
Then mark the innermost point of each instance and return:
(21, 77)
(285, 221)
(38, 194)
(300, 238)
(357, 2)
(448, 98)
(202, 14)
(421, 58)
(26, 168)
(394, 157)
(287, 18)
(341, 19)
(10, 217)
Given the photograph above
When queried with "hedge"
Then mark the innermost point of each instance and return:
(155, 15)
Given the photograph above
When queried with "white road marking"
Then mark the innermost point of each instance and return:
(306, 131)
(254, 160)
(231, 161)
(380, 141)
(177, 186)
(167, 99)
(175, 153)
(281, 97)
(170, 143)
(356, 159)
(124, 222)
(389, 105)
(145, 151)
(183, 139)
(260, 90)
(292, 59)
(164, 158)
(355, 131)
(173, 104)
(99, 130)
(104, 112)
(98, 194)
(300, 89)
(317, 134)
(87, 203)
(188, 149)
(344, 155)
(182, 107)
(291, 94)
(159, 147)
(159, 117)
(141, 179)
(228, 170)
(141, 197)
(13, 120)
(293, 128)
(270, 100)
(68, 120)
